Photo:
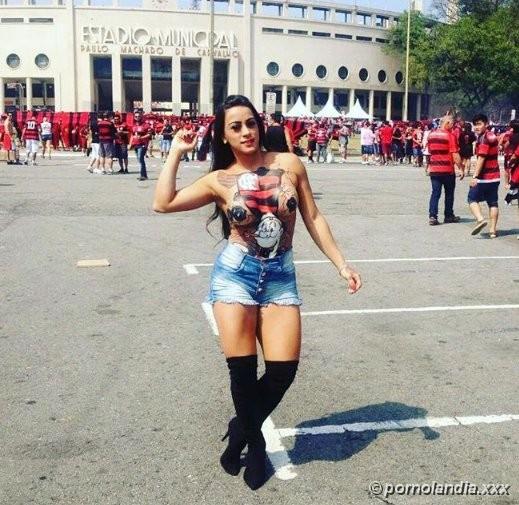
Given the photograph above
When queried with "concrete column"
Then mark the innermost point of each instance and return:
(117, 83)
(259, 7)
(284, 91)
(2, 96)
(245, 58)
(351, 99)
(146, 82)
(371, 103)
(204, 86)
(418, 106)
(233, 87)
(388, 106)
(309, 98)
(28, 93)
(330, 94)
(176, 85)
(284, 12)
(332, 15)
(309, 12)
(232, 6)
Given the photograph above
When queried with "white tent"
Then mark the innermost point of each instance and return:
(328, 110)
(299, 110)
(357, 112)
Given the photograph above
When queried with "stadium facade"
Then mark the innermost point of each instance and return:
(88, 55)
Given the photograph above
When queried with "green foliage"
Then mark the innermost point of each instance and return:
(475, 59)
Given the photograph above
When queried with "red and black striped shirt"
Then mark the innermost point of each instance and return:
(487, 146)
(442, 145)
(31, 130)
(106, 130)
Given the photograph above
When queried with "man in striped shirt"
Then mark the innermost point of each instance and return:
(485, 181)
(444, 153)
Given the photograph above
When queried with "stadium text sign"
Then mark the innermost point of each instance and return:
(102, 39)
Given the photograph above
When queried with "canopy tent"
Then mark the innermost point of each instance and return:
(357, 112)
(299, 110)
(328, 110)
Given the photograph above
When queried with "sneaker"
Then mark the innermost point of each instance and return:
(26, 162)
(452, 219)
(97, 171)
(479, 226)
(142, 178)
(433, 221)
(90, 169)
(120, 171)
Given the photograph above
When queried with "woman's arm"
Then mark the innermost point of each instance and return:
(168, 198)
(288, 139)
(318, 228)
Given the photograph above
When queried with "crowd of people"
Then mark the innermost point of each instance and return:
(444, 147)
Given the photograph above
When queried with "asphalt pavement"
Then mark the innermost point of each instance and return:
(114, 389)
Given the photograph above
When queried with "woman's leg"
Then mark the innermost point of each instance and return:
(237, 328)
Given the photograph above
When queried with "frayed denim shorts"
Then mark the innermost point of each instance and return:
(238, 277)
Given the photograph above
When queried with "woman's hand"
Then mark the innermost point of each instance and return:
(353, 278)
(184, 143)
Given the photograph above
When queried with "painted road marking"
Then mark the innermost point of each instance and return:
(208, 311)
(409, 309)
(398, 424)
(93, 263)
(276, 452)
(192, 268)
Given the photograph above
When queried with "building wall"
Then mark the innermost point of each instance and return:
(79, 33)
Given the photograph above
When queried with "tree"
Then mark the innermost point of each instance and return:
(474, 60)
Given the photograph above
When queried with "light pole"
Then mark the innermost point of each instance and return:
(211, 58)
(17, 86)
(406, 93)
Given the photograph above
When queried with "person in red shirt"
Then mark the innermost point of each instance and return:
(417, 145)
(322, 138)
(443, 150)
(31, 135)
(386, 138)
(122, 139)
(512, 167)
(312, 144)
(139, 141)
(106, 142)
(484, 185)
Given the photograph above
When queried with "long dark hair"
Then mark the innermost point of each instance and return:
(223, 156)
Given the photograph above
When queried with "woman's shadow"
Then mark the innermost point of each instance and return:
(342, 442)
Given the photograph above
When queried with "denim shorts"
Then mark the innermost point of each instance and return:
(238, 277)
(484, 192)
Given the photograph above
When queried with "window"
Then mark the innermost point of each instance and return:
(343, 16)
(363, 19)
(399, 77)
(238, 7)
(321, 71)
(131, 67)
(297, 70)
(272, 9)
(13, 60)
(297, 32)
(321, 34)
(273, 69)
(297, 11)
(42, 61)
(320, 14)
(382, 21)
(343, 73)
(382, 76)
(161, 69)
(41, 20)
(364, 39)
(363, 75)
(343, 36)
(102, 67)
(271, 30)
(12, 20)
(382, 41)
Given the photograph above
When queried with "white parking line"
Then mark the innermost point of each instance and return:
(408, 309)
(192, 268)
(276, 452)
(398, 424)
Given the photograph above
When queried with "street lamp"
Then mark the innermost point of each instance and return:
(211, 58)
(19, 87)
(406, 93)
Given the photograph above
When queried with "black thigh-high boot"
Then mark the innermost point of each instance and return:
(244, 427)
(273, 385)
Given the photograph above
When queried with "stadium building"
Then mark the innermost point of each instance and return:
(90, 55)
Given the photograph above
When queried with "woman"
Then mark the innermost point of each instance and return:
(344, 136)
(46, 137)
(93, 135)
(253, 288)
(166, 139)
(312, 141)
(466, 141)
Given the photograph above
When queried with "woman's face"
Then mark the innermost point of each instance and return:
(241, 130)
